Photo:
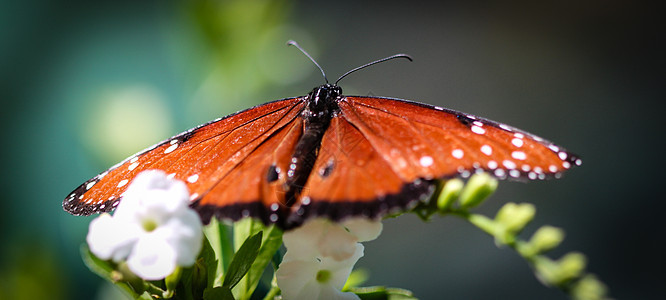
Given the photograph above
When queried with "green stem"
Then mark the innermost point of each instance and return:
(490, 227)
(482, 222)
(154, 290)
(272, 293)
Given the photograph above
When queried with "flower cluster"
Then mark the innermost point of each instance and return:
(153, 232)
(153, 228)
(320, 256)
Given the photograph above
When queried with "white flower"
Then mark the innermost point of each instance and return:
(317, 278)
(321, 237)
(153, 228)
(320, 256)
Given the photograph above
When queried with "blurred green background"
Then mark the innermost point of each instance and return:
(84, 84)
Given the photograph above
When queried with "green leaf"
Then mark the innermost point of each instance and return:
(245, 228)
(107, 270)
(207, 258)
(219, 236)
(242, 261)
(271, 243)
(381, 293)
(218, 293)
(355, 279)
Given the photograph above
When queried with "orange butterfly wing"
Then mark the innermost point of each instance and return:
(382, 154)
(207, 158)
(377, 155)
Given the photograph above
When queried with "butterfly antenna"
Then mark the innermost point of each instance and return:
(373, 63)
(293, 43)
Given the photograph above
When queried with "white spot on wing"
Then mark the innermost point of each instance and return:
(519, 155)
(123, 182)
(487, 150)
(193, 178)
(457, 153)
(305, 201)
(492, 164)
(171, 148)
(478, 130)
(90, 185)
(133, 166)
(500, 173)
(517, 142)
(509, 164)
(426, 161)
(562, 155)
(514, 173)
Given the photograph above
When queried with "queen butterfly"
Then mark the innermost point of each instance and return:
(326, 154)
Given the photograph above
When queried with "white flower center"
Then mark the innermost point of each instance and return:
(148, 224)
(323, 276)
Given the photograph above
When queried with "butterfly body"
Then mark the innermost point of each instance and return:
(329, 155)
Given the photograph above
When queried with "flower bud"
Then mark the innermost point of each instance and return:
(572, 265)
(450, 191)
(557, 273)
(589, 287)
(477, 189)
(546, 238)
(171, 281)
(514, 217)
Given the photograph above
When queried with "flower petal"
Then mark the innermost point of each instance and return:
(335, 294)
(293, 276)
(301, 242)
(340, 270)
(186, 236)
(109, 239)
(152, 258)
(364, 229)
(337, 242)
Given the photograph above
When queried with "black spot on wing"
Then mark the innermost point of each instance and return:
(463, 119)
(273, 173)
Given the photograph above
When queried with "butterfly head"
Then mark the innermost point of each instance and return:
(323, 98)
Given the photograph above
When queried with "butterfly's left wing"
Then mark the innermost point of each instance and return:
(222, 162)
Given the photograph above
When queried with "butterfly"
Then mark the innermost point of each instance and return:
(327, 155)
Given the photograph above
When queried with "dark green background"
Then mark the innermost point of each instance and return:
(585, 74)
